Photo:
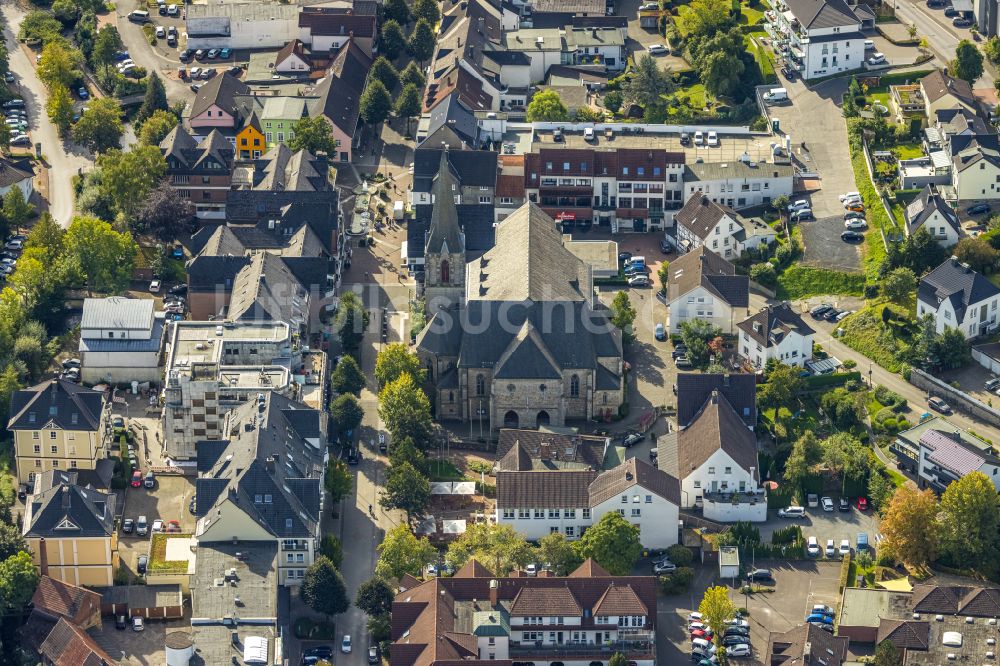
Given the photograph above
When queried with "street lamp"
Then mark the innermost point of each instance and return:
(870, 385)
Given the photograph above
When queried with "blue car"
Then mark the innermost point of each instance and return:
(225, 53)
(977, 209)
(82, 92)
(820, 617)
(121, 55)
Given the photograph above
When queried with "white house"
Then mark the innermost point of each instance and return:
(958, 297)
(703, 285)
(16, 174)
(930, 211)
(822, 37)
(241, 25)
(704, 222)
(715, 458)
(975, 173)
(120, 340)
(739, 183)
(776, 332)
(941, 452)
(541, 496)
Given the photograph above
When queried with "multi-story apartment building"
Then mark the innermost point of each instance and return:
(628, 189)
(59, 425)
(200, 170)
(958, 297)
(740, 183)
(820, 37)
(213, 367)
(120, 340)
(938, 452)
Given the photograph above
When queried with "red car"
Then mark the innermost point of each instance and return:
(862, 504)
(136, 479)
(702, 633)
(173, 526)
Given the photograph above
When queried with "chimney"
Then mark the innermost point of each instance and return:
(43, 557)
(65, 497)
(704, 200)
(545, 451)
(725, 381)
(593, 33)
(494, 593)
(482, 21)
(807, 653)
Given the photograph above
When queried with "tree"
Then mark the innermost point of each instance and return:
(46, 234)
(331, 548)
(613, 101)
(314, 134)
(60, 108)
(680, 555)
(393, 40)
(968, 62)
(164, 213)
(899, 284)
(951, 348)
(394, 360)
(396, 10)
(60, 65)
(649, 83)
(422, 41)
(909, 524)
(715, 609)
(347, 376)
(612, 542)
(66, 11)
(10, 382)
(968, 523)
(406, 411)
(663, 274)
(499, 548)
(5, 137)
(695, 335)
(128, 177)
(346, 412)
(154, 100)
(16, 210)
(404, 450)
(374, 597)
(351, 321)
(382, 70)
(40, 24)
(107, 43)
(101, 255)
(18, 580)
(886, 654)
(704, 18)
(782, 385)
(408, 104)
(338, 480)
(806, 454)
(412, 74)
(546, 106)
(323, 588)
(402, 553)
(427, 10)
(845, 455)
(618, 659)
(978, 253)
(101, 128)
(557, 551)
(11, 541)
(157, 127)
(375, 102)
(623, 314)
(406, 489)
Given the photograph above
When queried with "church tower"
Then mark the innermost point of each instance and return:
(444, 251)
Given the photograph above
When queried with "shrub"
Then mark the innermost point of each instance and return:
(850, 364)
(680, 555)
(480, 467)
(845, 570)
(786, 535)
(677, 582)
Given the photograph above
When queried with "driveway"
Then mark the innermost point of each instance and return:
(825, 525)
(144, 55)
(64, 160)
(823, 247)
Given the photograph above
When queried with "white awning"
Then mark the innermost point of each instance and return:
(255, 650)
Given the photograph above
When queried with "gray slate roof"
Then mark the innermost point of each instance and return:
(716, 426)
(816, 14)
(56, 402)
(925, 205)
(444, 234)
(338, 96)
(221, 91)
(773, 323)
(968, 150)
(69, 511)
(957, 283)
(694, 390)
(266, 290)
(704, 268)
(700, 214)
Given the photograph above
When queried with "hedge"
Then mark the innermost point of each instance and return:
(833, 379)
(845, 571)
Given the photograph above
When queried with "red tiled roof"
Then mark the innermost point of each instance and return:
(58, 599)
(510, 186)
(68, 645)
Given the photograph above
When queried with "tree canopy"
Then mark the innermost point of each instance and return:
(612, 542)
(102, 256)
(497, 547)
(374, 597)
(101, 128)
(346, 412)
(402, 553)
(649, 83)
(715, 608)
(347, 376)
(547, 106)
(394, 360)
(323, 588)
(406, 411)
(313, 134)
(969, 521)
(407, 489)
(910, 526)
(337, 480)
(968, 62)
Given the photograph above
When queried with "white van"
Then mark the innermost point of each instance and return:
(776, 96)
(792, 512)
(138, 16)
(397, 211)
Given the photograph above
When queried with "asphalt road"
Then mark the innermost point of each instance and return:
(64, 160)
(942, 36)
(143, 54)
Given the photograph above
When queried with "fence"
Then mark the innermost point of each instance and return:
(955, 397)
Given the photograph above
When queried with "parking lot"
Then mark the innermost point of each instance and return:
(144, 647)
(824, 247)
(824, 525)
(167, 501)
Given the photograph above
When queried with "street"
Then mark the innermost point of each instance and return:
(143, 54)
(941, 36)
(63, 160)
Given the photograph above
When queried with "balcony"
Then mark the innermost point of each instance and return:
(736, 497)
(548, 651)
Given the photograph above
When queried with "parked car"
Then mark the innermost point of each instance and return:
(353, 456)
(791, 512)
(729, 641)
(701, 633)
(150, 479)
(658, 49)
(798, 205)
(760, 574)
(856, 224)
(978, 209)
(713, 138)
(137, 624)
(801, 214)
(741, 650)
(736, 631)
(812, 547)
(845, 547)
(950, 12)
(345, 644)
(120, 622)
(128, 526)
(157, 526)
(818, 311)
(832, 315)
(940, 405)
(685, 139)
(820, 618)
(827, 504)
(961, 22)
(632, 439)
(193, 505)
(141, 526)
(843, 504)
(683, 362)
(184, 55)
(992, 384)
(851, 236)
(639, 281)
(664, 568)
(143, 563)
(824, 610)
(154, 287)
(136, 478)
(660, 333)
(679, 350)
(831, 548)
(161, 32)
(876, 58)
(373, 655)
(20, 140)
(225, 53)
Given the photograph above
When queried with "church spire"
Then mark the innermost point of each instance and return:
(444, 235)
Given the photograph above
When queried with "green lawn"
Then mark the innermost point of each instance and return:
(444, 470)
(762, 57)
(879, 98)
(750, 16)
(864, 332)
(695, 93)
(897, 479)
(801, 281)
(908, 151)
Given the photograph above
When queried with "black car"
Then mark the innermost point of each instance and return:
(353, 456)
(373, 655)
(664, 246)
(736, 631)
(178, 289)
(961, 22)
(193, 504)
(820, 310)
(199, 54)
(788, 73)
(162, 10)
(120, 622)
(679, 350)
(195, 87)
(760, 574)
(734, 640)
(844, 505)
(685, 139)
(950, 12)
(184, 55)
(320, 652)
(22, 492)
(624, 257)
(978, 209)
(831, 315)
(632, 439)
(143, 563)
(851, 237)
(128, 526)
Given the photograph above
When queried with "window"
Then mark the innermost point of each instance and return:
(553, 513)
(523, 513)
(38, 463)
(72, 463)
(729, 470)
(636, 513)
(539, 513)
(257, 499)
(34, 435)
(574, 386)
(270, 137)
(711, 470)
(569, 513)
(38, 448)
(553, 529)
(288, 523)
(52, 434)
(586, 513)
(281, 137)
(55, 449)
(484, 199)
(697, 484)
(571, 531)
(624, 499)
(55, 463)
(480, 385)
(649, 499)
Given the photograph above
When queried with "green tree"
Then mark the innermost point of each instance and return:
(337, 480)
(347, 376)
(402, 553)
(376, 104)
(66, 11)
(9, 383)
(704, 18)
(649, 84)
(623, 314)
(899, 284)
(406, 489)
(558, 552)
(680, 555)
(405, 410)
(715, 609)
(11, 541)
(422, 41)
(412, 74)
(323, 588)
(546, 106)
(40, 24)
(722, 73)
(427, 10)
(968, 62)
(18, 580)
(107, 43)
(663, 274)
(164, 213)
(618, 659)
(382, 70)
(991, 49)
(331, 548)
(404, 450)
(351, 321)
(157, 127)
(46, 234)
(16, 210)
(408, 104)
(128, 177)
(5, 137)
(396, 10)
(844, 455)
(346, 412)
(499, 548)
(978, 253)
(154, 100)
(612, 542)
(393, 39)
(101, 128)
(374, 597)
(613, 101)
(60, 108)
(315, 135)
(968, 522)
(880, 490)
(807, 452)
(100, 255)
(60, 65)
(394, 360)
(886, 654)
(910, 525)
(782, 385)
(696, 334)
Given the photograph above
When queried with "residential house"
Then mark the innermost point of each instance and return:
(478, 617)
(450, 123)
(939, 452)
(930, 211)
(273, 218)
(281, 170)
(695, 389)
(975, 167)
(251, 142)
(777, 333)
(703, 222)
(555, 490)
(703, 285)
(274, 116)
(215, 104)
(941, 90)
(823, 38)
(958, 297)
(799, 644)
(69, 644)
(326, 29)
(739, 183)
(596, 46)
(199, 169)
(715, 458)
(19, 174)
(120, 340)
(264, 481)
(338, 96)
(294, 58)
(241, 25)
(907, 102)
(71, 533)
(985, 16)
(59, 425)
(53, 601)
(960, 120)
(510, 193)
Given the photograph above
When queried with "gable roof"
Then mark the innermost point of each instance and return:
(904, 634)
(12, 172)
(773, 323)
(220, 91)
(534, 602)
(545, 488)
(957, 283)
(282, 169)
(68, 511)
(939, 83)
(589, 569)
(338, 95)
(923, 207)
(789, 647)
(516, 449)
(700, 214)
(816, 14)
(695, 389)
(336, 22)
(703, 268)
(267, 290)
(968, 150)
(56, 403)
(294, 47)
(56, 599)
(717, 426)
(631, 473)
(68, 645)
(117, 312)
(526, 357)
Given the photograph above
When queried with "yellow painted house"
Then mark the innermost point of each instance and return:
(250, 142)
(70, 531)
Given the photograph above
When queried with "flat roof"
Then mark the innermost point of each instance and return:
(865, 607)
(599, 254)
(913, 435)
(195, 342)
(729, 556)
(244, 11)
(213, 598)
